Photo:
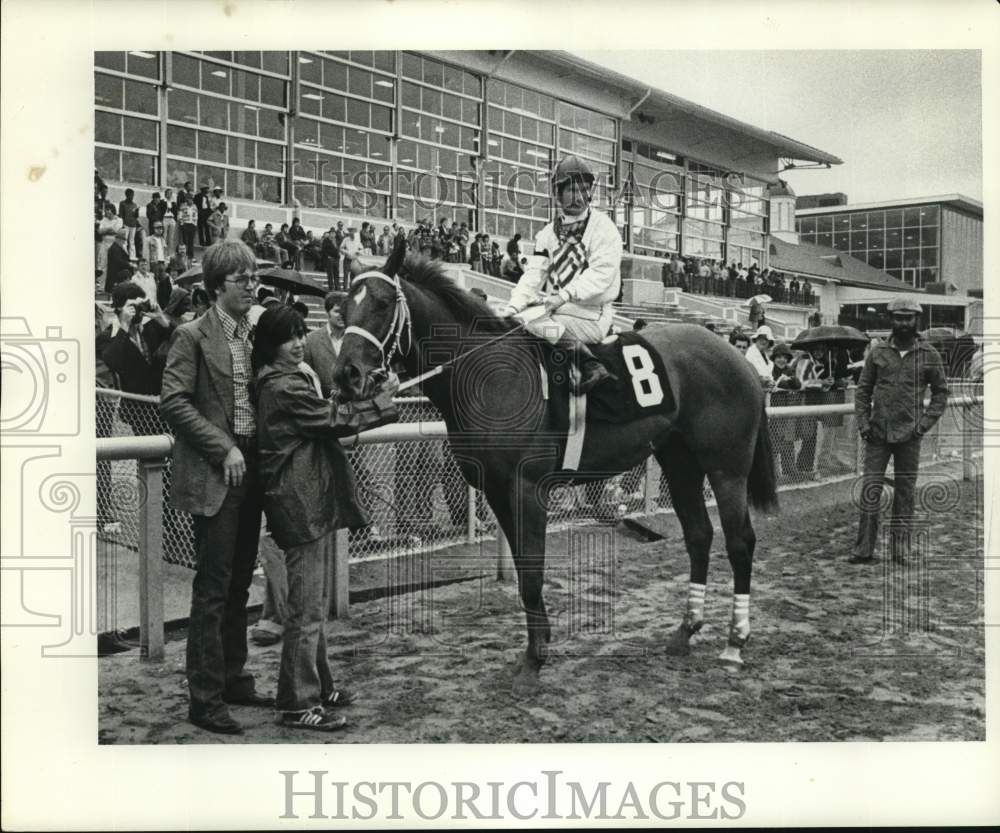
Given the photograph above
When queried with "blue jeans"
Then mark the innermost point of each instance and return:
(226, 546)
(906, 460)
(305, 677)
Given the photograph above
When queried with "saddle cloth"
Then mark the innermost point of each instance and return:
(642, 389)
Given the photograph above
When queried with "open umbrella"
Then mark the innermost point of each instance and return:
(829, 336)
(291, 280)
(193, 274)
(760, 299)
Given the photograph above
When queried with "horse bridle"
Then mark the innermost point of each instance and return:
(401, 322)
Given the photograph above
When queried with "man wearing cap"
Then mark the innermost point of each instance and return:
(757, 355)
(574, 273)
(891, 419)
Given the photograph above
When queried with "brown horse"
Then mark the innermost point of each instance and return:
(504, 435)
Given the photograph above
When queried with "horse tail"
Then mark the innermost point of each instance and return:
(762, 482)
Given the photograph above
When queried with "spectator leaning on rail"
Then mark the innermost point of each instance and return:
(891, 419)
(215, 477)
(574, 273)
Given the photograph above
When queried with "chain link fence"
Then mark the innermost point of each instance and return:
(417, 498)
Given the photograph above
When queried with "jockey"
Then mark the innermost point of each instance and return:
(574, 273)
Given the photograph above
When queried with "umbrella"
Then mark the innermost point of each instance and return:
(291, 280)
(940, 335)
(829, 336)
(760, 299)
(193, 274)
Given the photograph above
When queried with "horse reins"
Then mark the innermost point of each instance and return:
(402, 322)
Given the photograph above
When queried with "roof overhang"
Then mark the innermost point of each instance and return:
(783, 146)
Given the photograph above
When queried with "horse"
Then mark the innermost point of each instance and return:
(501, 431)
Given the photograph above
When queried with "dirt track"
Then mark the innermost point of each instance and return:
(437, 666)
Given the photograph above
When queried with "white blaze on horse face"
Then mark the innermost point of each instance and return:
(361, 295)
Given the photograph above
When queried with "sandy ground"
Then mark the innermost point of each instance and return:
(838, 652)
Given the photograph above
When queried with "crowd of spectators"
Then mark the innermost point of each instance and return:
(708, 276)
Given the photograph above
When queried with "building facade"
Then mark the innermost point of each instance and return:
(935, 242)
(465, 136)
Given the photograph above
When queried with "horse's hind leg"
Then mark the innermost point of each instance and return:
(686, 481)
(731, 497)
(524, 525)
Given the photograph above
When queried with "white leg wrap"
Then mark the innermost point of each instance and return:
(739, 626)
(696, 604)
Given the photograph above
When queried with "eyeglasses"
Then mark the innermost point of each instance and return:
(244, 281)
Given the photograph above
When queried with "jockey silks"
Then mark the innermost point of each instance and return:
(584, 267)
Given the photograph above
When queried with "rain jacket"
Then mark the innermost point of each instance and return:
(309, 487)
(889, 401)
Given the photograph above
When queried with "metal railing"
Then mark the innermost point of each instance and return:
(411, 485)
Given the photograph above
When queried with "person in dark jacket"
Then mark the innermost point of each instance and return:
(309, 493)
(891, 419)
(134, 352)
(204, 212)
(118, 260)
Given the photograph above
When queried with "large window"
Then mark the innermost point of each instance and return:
(343, 132)
(901, 241)
(126, 116)
(521, 150)
(748, 210)
(654, 191)
(440, 135)
(225, 123)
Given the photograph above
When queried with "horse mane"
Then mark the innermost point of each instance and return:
(431, 277)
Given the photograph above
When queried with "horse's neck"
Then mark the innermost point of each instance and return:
(428, 315)
(425, 314)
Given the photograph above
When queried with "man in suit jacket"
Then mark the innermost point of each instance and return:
(323, 345)
(215, 478)
(118, 261)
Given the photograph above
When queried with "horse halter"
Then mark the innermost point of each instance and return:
(401, 322)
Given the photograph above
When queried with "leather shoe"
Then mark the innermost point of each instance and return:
(857, 559)
(592, 374)
(264, 701)
(218, 721)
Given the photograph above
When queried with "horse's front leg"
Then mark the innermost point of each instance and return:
(531, 576)
(527, 540)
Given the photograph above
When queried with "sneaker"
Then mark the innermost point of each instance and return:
(315, 718)
(338, 698)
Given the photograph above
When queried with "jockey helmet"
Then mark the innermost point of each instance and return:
(569, 167)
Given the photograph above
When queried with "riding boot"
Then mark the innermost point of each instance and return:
(592, 372)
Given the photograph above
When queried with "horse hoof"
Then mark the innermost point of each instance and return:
(732, 657)
(678, 645)
(525, 685)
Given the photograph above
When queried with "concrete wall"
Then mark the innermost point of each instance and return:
(961, 250)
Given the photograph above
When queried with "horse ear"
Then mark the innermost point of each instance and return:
(396, 258)
(357, 268)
